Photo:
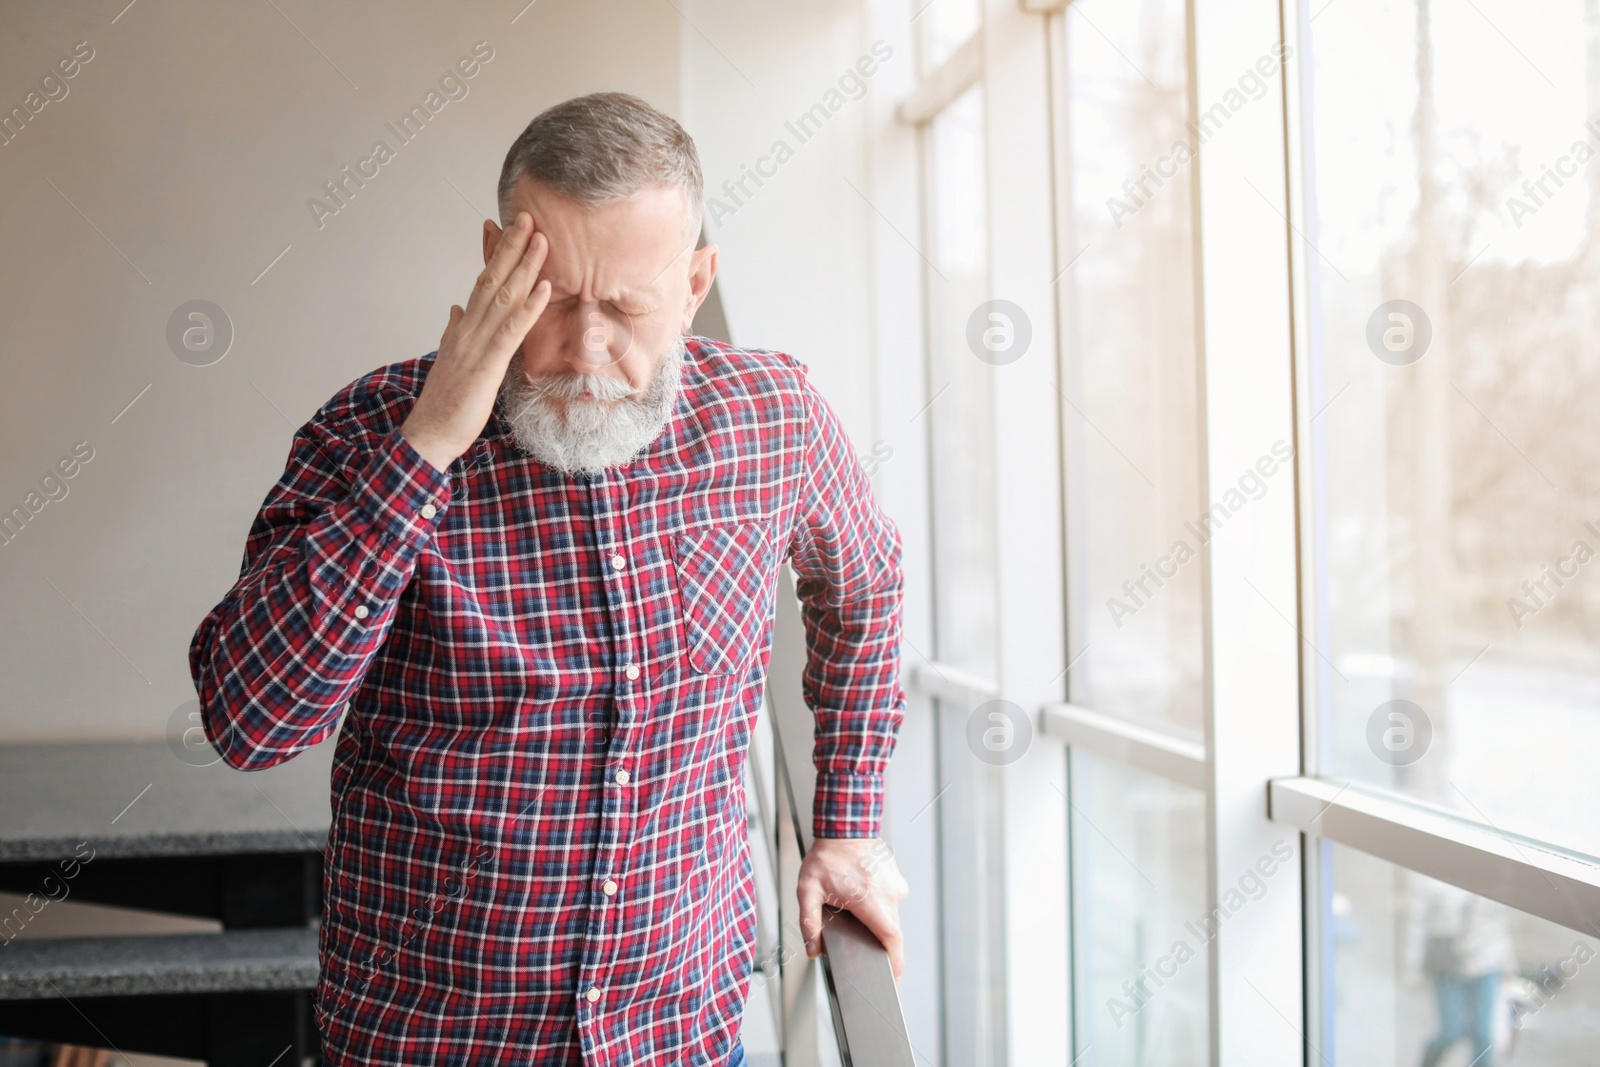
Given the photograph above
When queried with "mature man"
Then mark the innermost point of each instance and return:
(536, 570)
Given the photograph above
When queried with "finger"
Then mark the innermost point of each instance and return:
(456, 312)
(508, 338)
(884, 922)
(508, 300)
(507, 254)
(810, 892)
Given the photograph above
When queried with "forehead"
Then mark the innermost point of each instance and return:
(636, 244)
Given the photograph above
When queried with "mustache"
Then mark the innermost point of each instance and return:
(585, 437)
(570, 385)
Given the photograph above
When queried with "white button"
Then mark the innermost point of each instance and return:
(610, 888)
(617, 563)
(362, 612)
(632, 672)
(622, 777)
(429, 511)
(593, 995)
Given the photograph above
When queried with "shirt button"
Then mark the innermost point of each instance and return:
(593, 995)
(361, 611)
(610, 888)
(622, 777)
(429, 511)
(632, 672)
(617, 563)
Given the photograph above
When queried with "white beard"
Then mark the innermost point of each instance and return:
(551, 421)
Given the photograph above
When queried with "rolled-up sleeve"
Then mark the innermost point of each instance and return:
(846, 555)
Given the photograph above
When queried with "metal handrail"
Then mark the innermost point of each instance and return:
(864, 1001)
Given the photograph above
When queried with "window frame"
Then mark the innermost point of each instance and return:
(1258, 764)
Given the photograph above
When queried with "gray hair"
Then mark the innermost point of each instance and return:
(602, 148)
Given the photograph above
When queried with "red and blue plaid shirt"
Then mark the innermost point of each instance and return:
(539, 849)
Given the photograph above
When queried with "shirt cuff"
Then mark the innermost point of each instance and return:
(400, 492)
(848, 805)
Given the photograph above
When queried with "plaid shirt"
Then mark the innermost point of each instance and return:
(539, 848)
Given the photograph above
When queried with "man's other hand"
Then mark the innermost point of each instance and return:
(858, 875)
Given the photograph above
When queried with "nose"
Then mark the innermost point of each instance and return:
(597, 337)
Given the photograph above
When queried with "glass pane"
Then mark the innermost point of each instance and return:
(962, 392)
(1136, 523)
(1454, 219)
(961, 411)
(971, 839)
(1423, 973)
(1141, 929)
(945, 25)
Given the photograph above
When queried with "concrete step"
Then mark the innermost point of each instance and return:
(233, 961)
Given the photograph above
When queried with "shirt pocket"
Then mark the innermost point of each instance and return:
(724, 583)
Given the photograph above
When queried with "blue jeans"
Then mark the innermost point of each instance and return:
(1466, 1010)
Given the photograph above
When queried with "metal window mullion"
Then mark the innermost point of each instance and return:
(1527, 875)
(1014, 65)
(1310, 479)
(944, 84)
(1173, 758)
(1250, 564)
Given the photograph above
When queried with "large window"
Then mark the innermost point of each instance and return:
(1452, 260)
(961, 413)
(1130, 363)
(1144, 929)
(1455, 352)
(1141, 968)
(1325, 280)
(946, 25)
(960, 423)
(1425, 973)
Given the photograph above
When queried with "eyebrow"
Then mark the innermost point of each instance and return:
(633, 295)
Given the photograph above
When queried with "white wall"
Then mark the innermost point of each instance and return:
(795, 251)
(191, 142)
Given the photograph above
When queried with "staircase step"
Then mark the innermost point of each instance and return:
(232, 961)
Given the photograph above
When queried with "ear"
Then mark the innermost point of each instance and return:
(702, 272)
(491, 239)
